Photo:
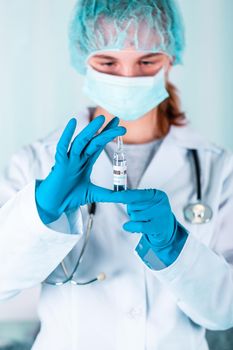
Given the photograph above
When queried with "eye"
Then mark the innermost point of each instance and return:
(147, 63)
(108, 64)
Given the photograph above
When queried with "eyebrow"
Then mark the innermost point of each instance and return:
(150, 55)
(115, 58)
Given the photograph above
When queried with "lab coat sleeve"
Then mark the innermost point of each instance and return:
(201, 279)
(29, 250)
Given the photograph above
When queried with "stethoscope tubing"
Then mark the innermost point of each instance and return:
(91, 210)
(197, 212)
(197, 168)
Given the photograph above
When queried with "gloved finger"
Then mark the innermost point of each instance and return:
(134, 226)
(159, 201)
(145, 227)
(159, 196)
(137, 207)
(132, 196)
(82, 139)
(77, 148)
(100, 194)
(65, 139)
(159, 238)
(90, 160)
(156, 212)
(88, 164)
(112, 124)
(100, 141)
(144, 214)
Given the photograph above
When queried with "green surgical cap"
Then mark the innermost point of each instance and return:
(109, 25)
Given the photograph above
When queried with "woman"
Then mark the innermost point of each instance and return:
(169, 280)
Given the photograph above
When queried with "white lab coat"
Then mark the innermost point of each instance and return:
(135, 307)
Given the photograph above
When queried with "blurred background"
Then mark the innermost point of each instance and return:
(40, 91)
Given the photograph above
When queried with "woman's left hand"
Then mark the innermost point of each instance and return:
(152, 217)
(150, 214)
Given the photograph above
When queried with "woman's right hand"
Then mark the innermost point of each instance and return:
(68, 185)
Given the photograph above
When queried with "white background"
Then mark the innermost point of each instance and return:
(39, 90)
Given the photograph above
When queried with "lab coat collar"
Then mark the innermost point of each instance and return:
(187, 137)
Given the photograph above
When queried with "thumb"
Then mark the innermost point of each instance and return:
(101, 194)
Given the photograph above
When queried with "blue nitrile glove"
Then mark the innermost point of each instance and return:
(68, 185)
(150, 214)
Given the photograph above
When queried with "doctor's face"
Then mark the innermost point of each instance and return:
(130, 63)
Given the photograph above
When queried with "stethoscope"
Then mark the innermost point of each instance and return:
(194, 213)
(198, 212)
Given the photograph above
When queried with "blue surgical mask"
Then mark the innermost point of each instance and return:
(129, 98)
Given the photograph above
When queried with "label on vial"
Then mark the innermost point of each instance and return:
(119, 175)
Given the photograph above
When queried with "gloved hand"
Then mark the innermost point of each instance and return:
(68, 185)
(150, 214)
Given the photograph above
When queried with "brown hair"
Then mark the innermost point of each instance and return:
(170, 110)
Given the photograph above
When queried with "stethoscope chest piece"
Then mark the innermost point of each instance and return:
(198, 213)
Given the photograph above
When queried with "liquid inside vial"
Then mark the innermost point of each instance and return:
(119, 168)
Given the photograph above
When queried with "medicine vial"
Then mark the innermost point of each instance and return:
(119, 167)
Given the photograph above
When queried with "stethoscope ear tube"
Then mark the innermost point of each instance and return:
(198, 212)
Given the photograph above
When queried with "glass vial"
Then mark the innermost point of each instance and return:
(119, 167)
